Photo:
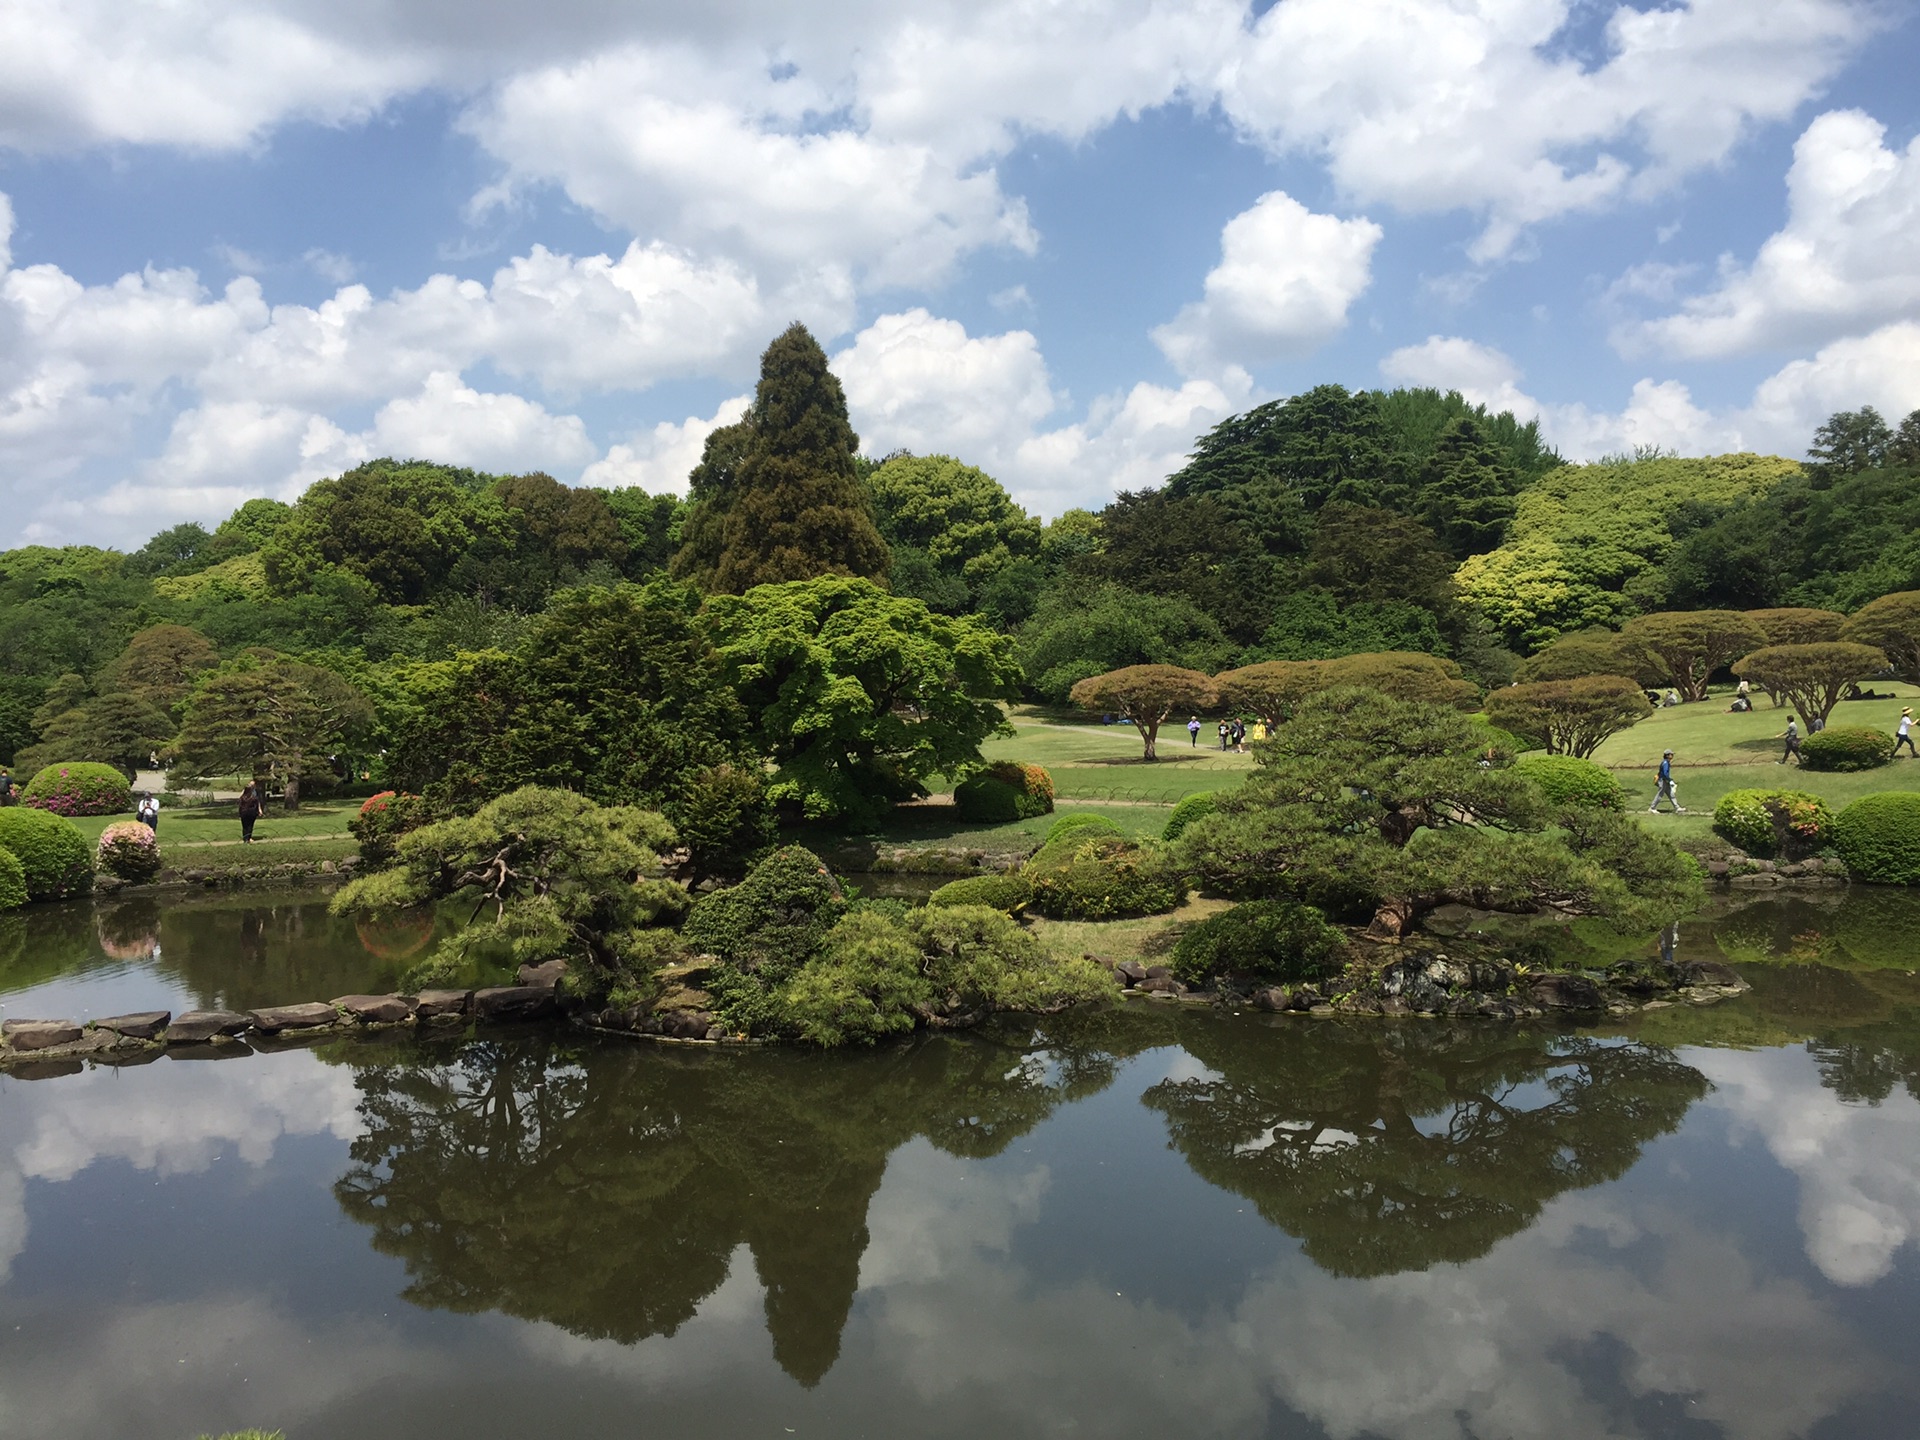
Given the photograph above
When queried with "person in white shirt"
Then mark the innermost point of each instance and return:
(149, 813)
(1905, 736)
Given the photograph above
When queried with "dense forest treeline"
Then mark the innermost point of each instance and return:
(481, 630)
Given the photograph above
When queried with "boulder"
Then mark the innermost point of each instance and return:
(543, 976)
(1271, 998)
(1707, 972)
(274, 1018)
(1159, 972)
(1566, 992)
(375, 1009)
(515, 1002)
(693, 975)
(198, 1025)
(687, 1024)
(38, 1034)
(1131, 972)
(433, 1004)
(1162, 984)
(141, 1025)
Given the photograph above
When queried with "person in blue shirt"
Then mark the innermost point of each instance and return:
(1663, 788)
(1193, 731)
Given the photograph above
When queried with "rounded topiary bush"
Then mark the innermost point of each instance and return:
(1280, 940)
(1774, 823)
(53, 854)
(1005, 893)
(79, 787)
(1567, 780)
(1005, 790)
(1085, 876)
(13, 882)
(1878, 836)
(1846, 747)
(773, 920)
(128, 849)
(1193, 808)
(1080, 822)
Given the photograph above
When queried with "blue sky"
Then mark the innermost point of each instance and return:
(252, 244)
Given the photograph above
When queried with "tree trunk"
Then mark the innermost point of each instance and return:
(1152, 735)
(290, 795)
(1392, 919)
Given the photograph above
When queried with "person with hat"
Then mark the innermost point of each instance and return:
(1905, 735)
(1663, 788)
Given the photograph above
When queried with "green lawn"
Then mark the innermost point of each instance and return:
(1103, 762)
(185, 828)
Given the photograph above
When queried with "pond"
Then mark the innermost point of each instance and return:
(1147, 1221)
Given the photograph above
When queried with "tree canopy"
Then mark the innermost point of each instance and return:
(1145, 695)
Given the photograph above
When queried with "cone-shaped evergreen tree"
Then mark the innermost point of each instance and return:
(1466, 494)
(776, 497)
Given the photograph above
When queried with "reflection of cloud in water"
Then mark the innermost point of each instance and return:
(171, 1118)
(1858, 1165)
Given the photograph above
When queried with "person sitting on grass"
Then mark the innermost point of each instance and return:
(1663, 787)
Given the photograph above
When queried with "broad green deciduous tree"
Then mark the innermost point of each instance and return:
(1682, 648)
(1812, 677)
(1890, 624)
(1146, 695)
(1569, 717)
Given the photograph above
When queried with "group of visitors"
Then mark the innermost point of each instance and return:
(1234, 733)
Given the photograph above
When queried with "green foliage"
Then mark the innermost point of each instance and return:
(565, 878)
(13, 881)
(1277, 940)
(1567, 780)
(1683, 649)
(160, 664)
(958, 517)
(79, 788)
(1083, 876)
(1004, 791)
(1081, 631)
(866, 982)
(1081, 824)
(1191, 808)
(1770, 823)
(1890, 624)
(723, 817)
(128, 850)
(121, 731)
(1467, 488)
(51, 852)
(771, 922)
(1007, 893)
(1313, 625)
(266, 715)
(382, 819)
(1145, 695)
(1576, 656)
(1362, 555)
(858, 695)
(1846, 747)
(1798, 625)
(1188, 546)
(1878, 837)
(1569, 717)
(1585, 539)
(1811, 677)
(790, 506)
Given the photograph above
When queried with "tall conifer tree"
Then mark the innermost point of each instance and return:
(776, 497)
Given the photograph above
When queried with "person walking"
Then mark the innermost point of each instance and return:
(6, 786)
(1240, 737)
(1193, 732)
(1905, 734)
(1663, 788)
(1226, 732)
(249, 812)
(1792, 736)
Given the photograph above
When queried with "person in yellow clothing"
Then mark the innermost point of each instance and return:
(1259, 730)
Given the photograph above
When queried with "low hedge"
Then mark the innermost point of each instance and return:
(56, 860)
(13, 882)
(79, 787)
(1101, 877)
(129, 850)
(1786, 824)
(1846, 747)
(1878, 836)
(1190, 810)
(1006, 893)
(1279, 940)
(1566, 780)
(1005, 790)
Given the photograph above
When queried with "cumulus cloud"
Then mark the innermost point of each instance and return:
(1285, 281)
(1438, 105)
(1845, 256)
(660, 460)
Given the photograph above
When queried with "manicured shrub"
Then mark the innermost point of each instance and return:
(1189, 810)
(79, 787)
(1789, 824)
(53, 854)
(1005, 790)
(1846, 747)
(1567, 781)
(1078, 821)
(382, 820)
(129, 850)
(1006, 893)
(13, 882)
(1878, 836)
(772, 921)
(1498, 747)
(724, 817)
(1085, 876)
(1280, 940)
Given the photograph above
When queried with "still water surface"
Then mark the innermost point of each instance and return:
(1143, 1222)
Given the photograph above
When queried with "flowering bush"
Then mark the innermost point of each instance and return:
(80, 787)
(1789, 824)
(128, 849)
(382, 820)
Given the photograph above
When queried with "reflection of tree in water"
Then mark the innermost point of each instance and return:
(605, 1189)
(1390, 1148)
(1864, 1063)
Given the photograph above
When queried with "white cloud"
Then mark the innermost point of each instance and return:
(660, 460)
(1484, 375)
(1285, 281)
(452, 422)
(1845, 257)
(1438, 105)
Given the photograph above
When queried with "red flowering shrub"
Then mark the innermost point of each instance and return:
(383, 819)
(80, 787)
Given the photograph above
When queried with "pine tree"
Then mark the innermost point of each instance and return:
(777, 497)
(1467, 489)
